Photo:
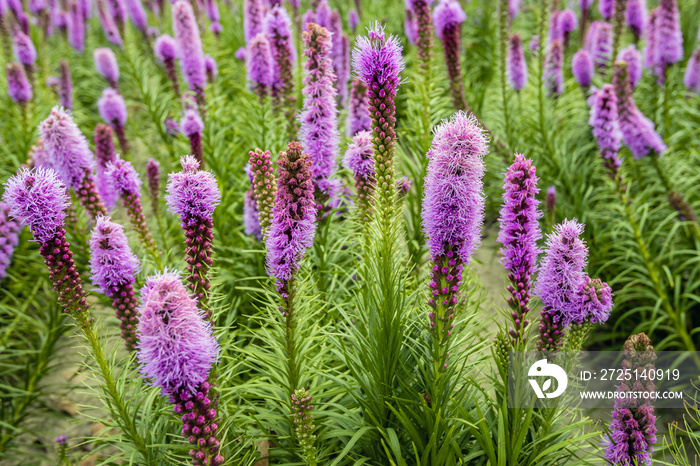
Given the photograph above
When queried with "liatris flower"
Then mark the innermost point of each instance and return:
(403, 187)
(554, 32)
(18, 87)
(109, 26)
(560, 282)
(597, 302)
(105, 154)
(241, 54)
(550, 204)
(128, 185)
(9, 238)
(410, 26)
(153, 175)
(278, 29)
(211, 68)
(69, 154)
(553, 71)
(378, 62)
(253, 14)
(567, 22)
(259, 63)
(192, 126)
(358, 109)
(516, 67)
(448, 17)
(424, 30)
(636, 17)
(171, 127)
(37, 198)
(76, 26)
(668, 41)
(177, 351)
(353, 20)
(637, 130)
(113, 111)
(264, 186)
(309, 17)
(293, 222)
(650, 40)
(193, 194)
(633, 58)
(25, 52)
(600, 43)
(453, 212)
(343, 76)
(606, 128)
(691, 79)
(582, 67)
(114, 268)
(519, 234)
(117, 11)
(319, 115)
(513, 9)
(212, 10)
(251, 216)
(606, 8)
(534, 43)
(633, 427)
(190, 49)
(138, 15)
(65, 85)
(165, 49)
(106, 65)
(304, 423)
(358, 158)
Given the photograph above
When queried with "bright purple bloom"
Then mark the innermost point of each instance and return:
(636, 16)
(253, 14)
(24, 49)
(106, 65)
(241, 54)
(353, 20)
(105, 154)
(567, 23)
(358, 109)
(192, 126)
(597, 301)
(633, 58)
(448, 17)
(606, 8)
(212, 10)
(165, 49)
(117, 11)
(36, 7)
(137, 15)
(61, 440)
(76, 26)
(516, 67)
(585, 5)
(650, 40)
(554, 32)
(410, 26)
(112, 107)
(278, 29)
(606, 128)
(358, 158)
(424, 29)
(190, 47)
(582, 67)
(553, 69)
(293, 223)
(211, 68)
(600, 43)
(259, 62)
(109, 26)
(691, 79)
(668, 40)
(18, 87)
(513, 9)
(309, 17)
(319, 116)
(323, 14)
(9, 238)
(251, 219)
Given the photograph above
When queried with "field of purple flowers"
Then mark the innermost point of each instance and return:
(251, 230)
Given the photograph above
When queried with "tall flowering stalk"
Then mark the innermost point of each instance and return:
(633, 58)
(69, 154)
(18, 87)
(453, 214)
(650, 40)
(554, 67)
(127, 183)
(691, 78)
(567, 23)
(212, 10)
(177, 351)
(251, 216)
(358, 109)
(105, 154)
(25, 52)
(636, 17)
(9, 238)
(106, 65)
(253, 17)
(633, 427)
(153, 175)
(259, 65)
(618, 24)
(114, 268)
(117, 10)
(165, 49)
(358, 158)
(448, 17)
(668, 40)
(519, 234)
(516, 67)
(193, 194)
(304, 423)
(190, 48)
(138, 16)
(192, 126)
(420, 10)
(606, 128)
(75, 23)
(65, 85)
(599, 41)
(264, 187)
(582, 67)
(278, 29)
(211, 67)
(319, 116)
(112, 109)
(606, 8)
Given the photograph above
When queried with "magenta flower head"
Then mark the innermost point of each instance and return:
(519, 234)
(448, 17)
(420, 10)
(516, 67)
(112, 107)
(606, 128)
(76, 26)
(358, 158)
(190, 47)
(691, 79)
(597, 301)
(18, 87)
(192, 126)
(606, 8)
(636, 17)
(65, 85)
(253, 14)
(319, 116)
(553, 68)
(668, 41)
(117, 10)
(513, 9)
(278, 30)
(633, 58)
(24, 48)
(241, 54)
(293, 224)
(9, 238)
(251, 217)
(259, 62)
(165, 48)
(582, 67)
(212, 10)
(105, 154)
(353, 20)
(410, 26)
(106, 65)
(137, 15)
(567, 22)
(447, 14)
(358, 109)
(599, 41)
(211, 68)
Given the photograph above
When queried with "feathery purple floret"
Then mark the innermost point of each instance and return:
(112, 263)
(211, 67)
(112, 107)
(117, 11)
(18, 87)
(106, 65)
(606, 8)
(137, 14)
(568, 21)
(448, 17)
(192, 194)
(109, 26)
(606, 127)
(9, 238)
(453, 203)
(600, 43)
(597, 301)
(105, 154)
(353, 20)
(278, 29)
(259, 64)
(76, 27)
(553, 71)
(165, 48)
(191, 123)
(190, 47)
(125, 178)
(582, 67)
(410, 27)
(377, 59)
(358, 156)
(691, 79)
(251, 219)
(447, 13)
(253, 14)
(212, 10)
(668, 41)
(513, 9)
(24, 48)
(633, 58)
(358, 109)
(650, 40)
(323, 14)
(516, 67)
(420, 10)
(636, 17)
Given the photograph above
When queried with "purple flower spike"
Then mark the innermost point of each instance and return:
(264, 187)
(606, 128)
(319, 116)
(113, 111)
(172, 127)
(259, 61)
(109, 26)
(65, 85)
(553, 72)
(597, 301)
(650, 40)
(106, 65)
(177, 351)
(550, 203)
(358, 158)
(117, 10)
(105, 154)
(358, 109)
(68, 153)
(403, 187)
(293, 223)
(636, 17)
(516, 67)
(582, 67)
(668, 40)
(633, 58)
(410, 27)
(37, 198)
(76, 26)
(192, 126)
(304, 421)
(114, 268)
(513, 9)
(24, 49)
(153, 174)
(190, 48)
(606, 8)
(253, 14)
(211, 68)
(691, 79)
(278, 30)
(567, 23)
(448, 17)
(9, 238)
(241, 54)
(424, 29)
(212, 10)
(637, 130)
(193, 194)
(138, 15)
(165, 49)
(353, 20)
(251, 219)
(599, 41)
(519, 234)
(18, 87)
